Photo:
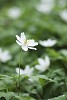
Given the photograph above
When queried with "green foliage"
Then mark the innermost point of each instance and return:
(13, 96)
(62, 97)
(49, 85)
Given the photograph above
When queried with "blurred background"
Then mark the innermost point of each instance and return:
(39, 20)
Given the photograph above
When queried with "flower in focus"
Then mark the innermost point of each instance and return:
(24, 43)
(14, 12)
(45, 6)
(43, 64)
(63, 15)
(4, 55)
(27, 71)
(48, 43)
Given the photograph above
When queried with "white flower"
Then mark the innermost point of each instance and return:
(27, 71)
(63, 15)
(14, 12)
(48, 43)
(4, 55)
(45, 6)
(24, 43)
(43, 64)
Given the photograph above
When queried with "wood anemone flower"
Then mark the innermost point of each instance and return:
(47, 43)
(24, 43)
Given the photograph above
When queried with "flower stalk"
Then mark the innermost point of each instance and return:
(25, 45)
(19, 74)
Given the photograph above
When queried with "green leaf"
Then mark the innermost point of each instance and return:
(13, 96)
(37, 77)
(62, 97)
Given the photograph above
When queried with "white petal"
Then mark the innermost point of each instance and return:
(31, 43)
(63, 15)
(18, 38)
(14, 12)
(21, 71)
(27, 68)
(23, 37)
(28, 71)
(24, 47)
(45, 6)
(43, 64)
(47, 61)
(51, 42)
(18, 43)
(48, 43)
(5, 56)
(32, 48)
(41, 61)
(40, 68)
(42, 43)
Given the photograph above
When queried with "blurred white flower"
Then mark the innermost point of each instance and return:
(45, 6)
(62, 3)
(24, 43)
(43, 64)
(4, 55)
(27, 71)
(48, 43)
(63, 15)
(14, 12)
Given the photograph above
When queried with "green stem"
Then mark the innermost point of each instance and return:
(7, 90)
(19, 75)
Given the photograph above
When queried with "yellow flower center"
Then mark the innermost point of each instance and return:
(27, 41)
